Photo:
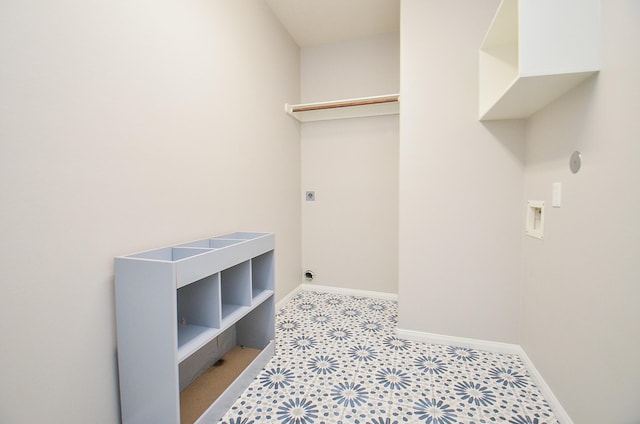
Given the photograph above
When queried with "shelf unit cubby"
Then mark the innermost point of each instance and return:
(262, 276)
(173, 304)
(198, 322)
(236, 290)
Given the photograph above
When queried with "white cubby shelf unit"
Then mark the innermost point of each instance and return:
(174, 301)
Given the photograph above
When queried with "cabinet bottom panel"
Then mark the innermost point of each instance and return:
(217, 410)
(206, 389)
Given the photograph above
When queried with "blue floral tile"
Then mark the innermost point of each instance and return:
(401, 414)
(434, 409)
(297, 410)
(338, 360)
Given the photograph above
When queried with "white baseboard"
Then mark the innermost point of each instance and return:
(557, 408)
(336, 290)
(498, 347)
(348, 292)
(459, 341)
(287, 298)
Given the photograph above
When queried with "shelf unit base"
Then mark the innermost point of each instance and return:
(206, 389)
(217, 410)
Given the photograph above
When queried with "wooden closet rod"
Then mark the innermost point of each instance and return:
(350, 103)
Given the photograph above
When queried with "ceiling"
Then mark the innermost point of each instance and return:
(314, 22)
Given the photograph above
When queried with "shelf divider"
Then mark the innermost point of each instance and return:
(193, 337)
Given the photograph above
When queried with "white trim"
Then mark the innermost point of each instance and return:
(497, 347)
(281, 304)
(348, 292)
(459, 341)
(337, 290)
(557, 408)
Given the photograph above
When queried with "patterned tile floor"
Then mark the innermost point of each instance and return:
(338, 361)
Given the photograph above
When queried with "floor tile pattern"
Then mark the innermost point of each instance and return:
(338, 361)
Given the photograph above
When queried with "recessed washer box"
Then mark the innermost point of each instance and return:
(535, 219)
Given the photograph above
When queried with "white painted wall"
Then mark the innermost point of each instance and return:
(126, 126)
(350, 233)
(581, 294)
(361, 67)
(461, 182)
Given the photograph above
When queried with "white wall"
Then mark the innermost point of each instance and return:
(581, 295)
(127, 126)
(461, 182)
(361, 67)
(350, 233)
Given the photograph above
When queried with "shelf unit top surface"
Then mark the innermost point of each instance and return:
(185, 251)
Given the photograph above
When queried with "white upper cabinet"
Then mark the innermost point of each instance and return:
(535, 51)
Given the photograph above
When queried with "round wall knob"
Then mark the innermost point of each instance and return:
(575, 161)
